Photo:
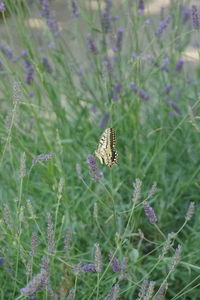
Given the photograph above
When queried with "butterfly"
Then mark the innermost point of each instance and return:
(106, 152)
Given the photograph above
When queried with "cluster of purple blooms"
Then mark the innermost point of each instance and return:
(2, 6)
(140, 6)
(29, 69)
(7, 52)
(162, 26)
(195, 17)
(106, 17)
(116, 91)
(74, 8)
(46, 65)
(91, 45)
(95, 173)
(142, 94)
(51, 21)
(119, 39)
(149, 212)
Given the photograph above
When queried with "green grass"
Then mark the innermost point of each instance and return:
(157, 141)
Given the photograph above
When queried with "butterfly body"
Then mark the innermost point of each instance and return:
(106, 152)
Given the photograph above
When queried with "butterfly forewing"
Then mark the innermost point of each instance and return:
(106, 148)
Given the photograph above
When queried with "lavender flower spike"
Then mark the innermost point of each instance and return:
(46, 65)
(2, 6)
(98, 259)
(179, 64)
(88, 268)
(91, 45)
(140, 6)
(114, 262)
(74, 9)
(36, 284)
(149, 212)
(195, 17)
(162, 26)
(119, 40)
(94, 171)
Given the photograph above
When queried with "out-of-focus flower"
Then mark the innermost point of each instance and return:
(119, 39)
(2, 6)
(195, 17)
(42, 157)
(103, 120)
(88, 268)
(140, 6)
(36, 284)
(94, 171)
(91, 45)
(7, 52)
(179, 64)
(190, 211)
(162, 26)
(46, 65)
(2, 261)
(116, 91)
(143, 95)
(175, 259)
(149, 212)
(74, 9)
(98, 259)
(185, 14)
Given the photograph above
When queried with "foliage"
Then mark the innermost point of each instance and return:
(130, 233)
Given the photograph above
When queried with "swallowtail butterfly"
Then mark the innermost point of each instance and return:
(106, 152)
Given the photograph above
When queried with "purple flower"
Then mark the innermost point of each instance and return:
(165, 64)
(195, 17)
(88, 268)
(107, 63)
(133, 87)
(116, 91)
(24, 52)
(143, 95)
(119, 39)
(37, 283)
(106, 18)
(114, 262)
(147, 21)
(134, 54)
(31, 94)
(140, 6)
(74, 9)
(162, 26)
(91, 45)
(29, 71)
(179, 64)
(94, 171)
(2, 261)
(2, 6)
(80, 71)
(7, 52)
(103, 120)
(46, 64)
(46, 13)
(149, 212)
(52, 45)
(167, 89)
(185, 14)
(174, 105)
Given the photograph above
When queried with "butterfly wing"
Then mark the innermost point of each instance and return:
(106, 148)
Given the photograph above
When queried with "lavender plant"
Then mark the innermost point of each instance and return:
(70, 227)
